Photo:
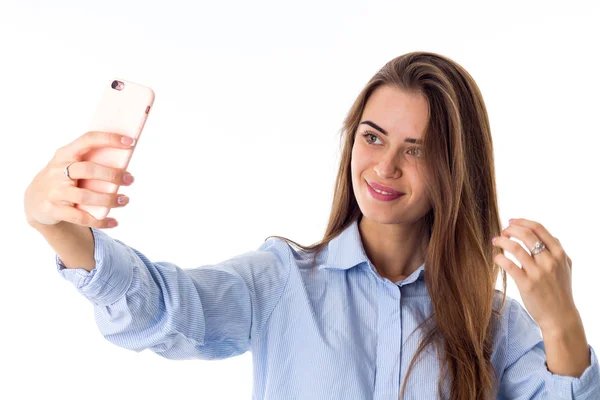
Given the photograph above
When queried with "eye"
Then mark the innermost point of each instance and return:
(368, 134)
(417, 148)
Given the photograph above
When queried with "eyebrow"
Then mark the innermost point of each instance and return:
(375, 126)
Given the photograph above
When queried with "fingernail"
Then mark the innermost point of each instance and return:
(128, 140)
(122, 199)
(511, 220)
(128, 178)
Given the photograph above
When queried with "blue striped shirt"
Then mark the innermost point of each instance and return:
(335, 331)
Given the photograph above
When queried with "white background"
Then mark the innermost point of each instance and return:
(243, 143)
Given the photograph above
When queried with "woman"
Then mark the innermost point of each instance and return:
(399, 296)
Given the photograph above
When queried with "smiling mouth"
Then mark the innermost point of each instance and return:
(383, 197)
(388, 191)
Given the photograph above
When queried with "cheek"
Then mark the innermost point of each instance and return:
(357, 167)
(419, 189)
(355, 161)
(360, 158)
(357, 172)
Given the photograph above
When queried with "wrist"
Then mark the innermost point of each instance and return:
(567, 349)
(569, 322)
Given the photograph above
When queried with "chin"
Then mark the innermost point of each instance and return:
(383, 219)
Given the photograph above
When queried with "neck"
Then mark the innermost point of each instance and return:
(395, 250)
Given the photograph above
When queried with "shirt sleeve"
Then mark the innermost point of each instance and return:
(208, 312)
(526, 375)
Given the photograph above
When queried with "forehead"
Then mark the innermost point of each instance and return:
(398, 112)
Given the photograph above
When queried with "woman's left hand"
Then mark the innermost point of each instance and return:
(544, 280)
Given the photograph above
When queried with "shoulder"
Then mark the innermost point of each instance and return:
(517, 333)
(291, 254)
(514, 317)
(272, 252)
(264, 269)
(279, 249)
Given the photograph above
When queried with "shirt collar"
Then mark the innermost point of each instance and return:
(346, 251)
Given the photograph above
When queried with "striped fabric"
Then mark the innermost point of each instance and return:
(335, 331)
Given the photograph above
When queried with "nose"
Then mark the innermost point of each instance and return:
(387, 168)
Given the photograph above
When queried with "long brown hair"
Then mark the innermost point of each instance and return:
(460, 272)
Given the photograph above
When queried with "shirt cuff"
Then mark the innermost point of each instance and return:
(570, 387)
(111, 277)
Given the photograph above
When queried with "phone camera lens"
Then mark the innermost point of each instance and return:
(118, 85)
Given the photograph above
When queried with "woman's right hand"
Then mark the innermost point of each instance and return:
(50, 197)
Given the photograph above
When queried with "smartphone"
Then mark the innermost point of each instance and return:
(123, 108)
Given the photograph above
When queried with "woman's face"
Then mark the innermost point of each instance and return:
(394, 159)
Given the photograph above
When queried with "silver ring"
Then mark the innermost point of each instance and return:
(538, 248)
(66, 171)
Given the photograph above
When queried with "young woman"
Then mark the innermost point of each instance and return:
(397, 299)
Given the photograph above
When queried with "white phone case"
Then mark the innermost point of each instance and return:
(123, 109)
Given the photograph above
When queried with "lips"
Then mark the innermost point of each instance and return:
(384, 188)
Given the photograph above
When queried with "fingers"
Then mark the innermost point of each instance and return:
(51, 196)
(511, 269)
(91, 170)
(540, 232)
(93, 139)
(81, 217)
(82, 196)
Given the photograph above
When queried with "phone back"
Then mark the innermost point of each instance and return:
(123, 109)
